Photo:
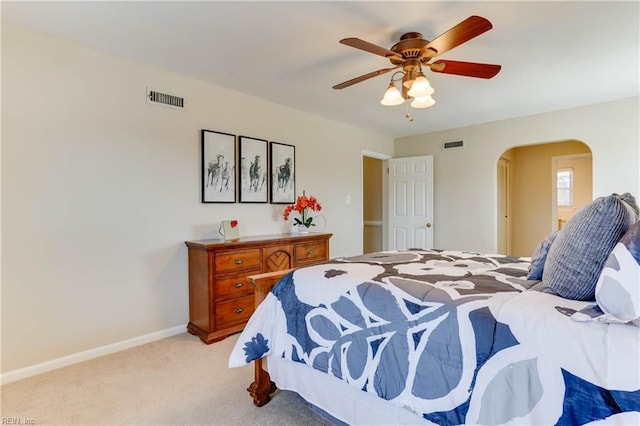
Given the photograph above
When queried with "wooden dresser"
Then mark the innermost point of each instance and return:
(220, 297)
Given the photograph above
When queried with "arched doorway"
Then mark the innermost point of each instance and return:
(528, 192)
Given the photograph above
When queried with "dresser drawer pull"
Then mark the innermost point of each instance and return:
(238, 262)
(239, 311)
(238, 285)
(309, 251)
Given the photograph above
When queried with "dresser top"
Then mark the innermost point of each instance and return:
(216, 243)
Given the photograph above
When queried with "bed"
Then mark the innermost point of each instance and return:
(441, 337)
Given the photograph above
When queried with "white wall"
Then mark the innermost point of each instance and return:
(100, 190)
(465, 180)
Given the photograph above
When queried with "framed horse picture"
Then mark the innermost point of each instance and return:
(218, 167)
(283, 173)
(253, 170)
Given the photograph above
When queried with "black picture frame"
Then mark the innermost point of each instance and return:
(218, 167)
(254, 163)
(283, 173)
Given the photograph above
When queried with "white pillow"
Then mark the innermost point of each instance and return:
(618, 287)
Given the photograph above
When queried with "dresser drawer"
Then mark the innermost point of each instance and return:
(236, 286)
(234, 311)
(310, 252)
(237, 259)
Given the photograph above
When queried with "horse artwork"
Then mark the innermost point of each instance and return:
(256, 181)
(214, 172)
(282, 173)
(253, 170)
(226, 174)
(218, 167)
(244, 175)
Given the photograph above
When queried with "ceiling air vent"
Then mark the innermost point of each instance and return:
(454, 144)
(164, 99)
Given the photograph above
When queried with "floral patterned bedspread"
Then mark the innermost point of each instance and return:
(456, 337)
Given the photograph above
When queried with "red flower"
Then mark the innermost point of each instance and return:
(304, 205)
(287, 212)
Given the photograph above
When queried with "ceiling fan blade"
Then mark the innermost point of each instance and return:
(471, 27)
(468, 69)
(364, 77)
(369, 47)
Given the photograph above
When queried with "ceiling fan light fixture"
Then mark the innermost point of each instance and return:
(423, 102)
(421, 87)
(408, 78)
(392, 96)
(412, 53)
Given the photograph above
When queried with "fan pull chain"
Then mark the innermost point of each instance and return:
(408, 114)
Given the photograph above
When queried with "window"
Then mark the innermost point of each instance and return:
(565, 187)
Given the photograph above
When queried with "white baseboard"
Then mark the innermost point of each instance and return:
(23, 373)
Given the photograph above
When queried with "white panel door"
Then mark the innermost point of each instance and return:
(410, 203)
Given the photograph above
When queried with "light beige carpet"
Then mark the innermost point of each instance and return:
(173, 381)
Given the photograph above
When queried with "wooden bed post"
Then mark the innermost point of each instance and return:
(262, 386)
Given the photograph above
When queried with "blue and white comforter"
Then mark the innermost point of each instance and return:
(456, 337)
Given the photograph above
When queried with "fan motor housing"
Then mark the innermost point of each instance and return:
(410, 46)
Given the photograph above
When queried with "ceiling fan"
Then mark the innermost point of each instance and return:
(413, 52)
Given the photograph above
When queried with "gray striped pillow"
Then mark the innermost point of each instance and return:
(578, 254)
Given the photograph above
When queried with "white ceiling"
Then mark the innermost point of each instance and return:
(554, 55)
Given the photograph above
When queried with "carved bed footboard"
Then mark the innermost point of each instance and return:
(262, 386)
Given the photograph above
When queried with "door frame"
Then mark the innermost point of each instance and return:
(385, 198)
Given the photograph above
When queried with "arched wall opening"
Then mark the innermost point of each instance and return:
(528, 195)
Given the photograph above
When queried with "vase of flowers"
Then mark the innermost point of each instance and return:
(304, 206)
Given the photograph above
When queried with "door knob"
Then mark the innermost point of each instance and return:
(429, 225)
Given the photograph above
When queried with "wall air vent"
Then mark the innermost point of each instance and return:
(164, 99)
(454, 144)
